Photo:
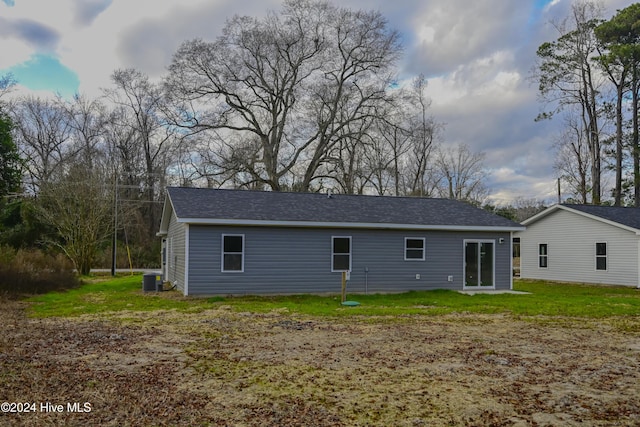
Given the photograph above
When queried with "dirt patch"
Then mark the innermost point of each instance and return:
(225, 368)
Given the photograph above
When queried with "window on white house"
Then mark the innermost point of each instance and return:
(414, 248)
(233, 253)
(340, 253)
(601, 256)
(543, 255)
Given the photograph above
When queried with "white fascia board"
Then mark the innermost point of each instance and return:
(316, 224)
(166, 216)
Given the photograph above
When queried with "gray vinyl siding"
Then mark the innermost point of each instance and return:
(176, 252)
(298, 260)
(571, 241)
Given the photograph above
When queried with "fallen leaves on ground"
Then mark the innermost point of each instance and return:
(223, 368)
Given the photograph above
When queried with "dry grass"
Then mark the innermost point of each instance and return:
(220, 367)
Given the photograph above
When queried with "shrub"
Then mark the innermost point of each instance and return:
(34, 272)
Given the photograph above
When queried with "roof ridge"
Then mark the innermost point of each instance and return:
(598, 206)
(315, 193)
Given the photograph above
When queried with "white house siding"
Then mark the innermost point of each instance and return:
(571, 240)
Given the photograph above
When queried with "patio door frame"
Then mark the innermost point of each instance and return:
(479, 243)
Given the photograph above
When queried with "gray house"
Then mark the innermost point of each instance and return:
(582, 243)
(218, 242)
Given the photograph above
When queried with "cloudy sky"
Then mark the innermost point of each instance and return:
(477, 56)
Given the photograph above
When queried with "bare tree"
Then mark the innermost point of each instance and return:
(346, 163)
(289, 86)
(526, 208)
(146, 135)
(78, 207)
(122, 144)
(566, 77)
(423, 130)
(403, 137)
(383, 157)
(573, 162)
(7, 82)
(43, 135)
(462, 174)
(391, 143)
(86, 118)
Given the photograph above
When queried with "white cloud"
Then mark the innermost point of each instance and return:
(13, 52)
(514, 185)
(551, 5)
(144, 34)
(454, 32)
(476, 55)
(92, 50)
(491, 75)
(87, 10)
(426, 35)
(19, 91)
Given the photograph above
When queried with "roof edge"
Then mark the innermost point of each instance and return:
(542, 214)
(167, 208)
(568, 208)
(360, 225)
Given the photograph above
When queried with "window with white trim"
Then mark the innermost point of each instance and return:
(601, 256)
(543, 255)
(414, 248)
(341, 253)
(233, 253)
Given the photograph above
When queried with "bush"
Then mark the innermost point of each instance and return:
(34, 272)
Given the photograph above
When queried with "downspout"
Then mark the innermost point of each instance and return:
(163, 259)
(638, 263)
(511, 260)
(186, 260)
(366, 280)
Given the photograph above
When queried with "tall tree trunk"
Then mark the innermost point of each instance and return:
(635, 149)
(618, 189)
(594, 143)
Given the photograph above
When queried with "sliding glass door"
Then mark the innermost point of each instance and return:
(479, 263)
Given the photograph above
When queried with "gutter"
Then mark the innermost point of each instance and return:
(351, 225)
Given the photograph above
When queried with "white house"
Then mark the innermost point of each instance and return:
(582, 243)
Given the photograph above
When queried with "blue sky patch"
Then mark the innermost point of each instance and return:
(9, 2)
(538, 8)
(45, 72)
(541, 4)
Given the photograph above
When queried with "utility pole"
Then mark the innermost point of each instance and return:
(559, 193)
(115, 227)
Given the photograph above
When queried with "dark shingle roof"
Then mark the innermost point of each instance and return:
(625, 216)
(241, 205)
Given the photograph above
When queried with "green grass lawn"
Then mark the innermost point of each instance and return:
(110, 294)
(547, 299)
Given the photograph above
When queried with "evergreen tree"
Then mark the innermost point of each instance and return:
(10, 162)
